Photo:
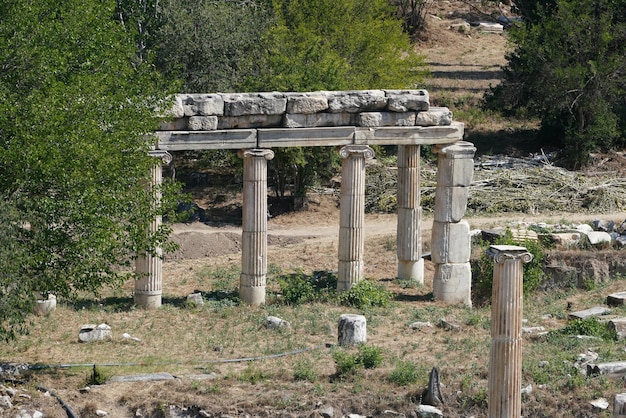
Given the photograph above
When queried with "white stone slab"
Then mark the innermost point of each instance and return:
(589, 313)
(410, 135)
(305, 137)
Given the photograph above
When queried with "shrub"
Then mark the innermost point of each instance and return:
(349, 364)
(404, 374)
(369, 356)
(589, 326)
(365, 294)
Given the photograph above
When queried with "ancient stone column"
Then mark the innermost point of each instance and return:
(451, 245)
(149, 267)
(505, 363)
(254, 225)
(409, 232)
(352, 215)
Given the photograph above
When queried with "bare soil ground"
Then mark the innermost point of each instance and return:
(196, 344)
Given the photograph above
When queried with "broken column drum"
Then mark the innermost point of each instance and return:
(409, 232)
(505, 363)
(254, 226)
(451, 244)
(149, 267)
(352, 215)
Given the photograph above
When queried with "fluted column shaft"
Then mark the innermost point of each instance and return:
(451, 246)
(352, 215)
(409, 230)
(254, 224)
(149, 267)
(505, 363)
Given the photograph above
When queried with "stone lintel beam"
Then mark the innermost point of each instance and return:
(352, 215)
(204, 140)
(305, 137)
(505, 364)
(409, 135)
(254, 226)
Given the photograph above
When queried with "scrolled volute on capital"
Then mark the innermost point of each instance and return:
(368, 153)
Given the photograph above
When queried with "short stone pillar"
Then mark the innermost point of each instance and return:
(254, 226)
(149, 267)
(44, 306)
(352, 329)
(619, 405)
(409, 231)
(505, 363)
(352, 215)
(451, 244)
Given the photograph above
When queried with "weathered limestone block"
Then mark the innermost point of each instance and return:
(453, 283)
(456, 171)
(91, 332)
(273, 322)
(450, 203)
(352, 329)
(207, 104)
(373, 119)
(454, 245)
(44, 306)
(616, 299)
(314, 120)
(589, 313)
(195, 299)
(202, 123)
(306, 103)
(434, 116)
(619, 326)
(241, 104)
(356, 101)
(250, 121)
(405, 100)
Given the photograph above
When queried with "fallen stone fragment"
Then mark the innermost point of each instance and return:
(272, 322)
(589, 313)
(327, 411)
(420, 325)
(352, 329)
(427, 411)
(91, 332)
(600, 403)
(142, 377)
(616, 299)
(195, 299)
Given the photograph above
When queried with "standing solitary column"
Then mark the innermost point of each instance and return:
(254, 223)
(505, 364)
(352, 215)
(149, 267)
(409, 232)
(451, 244)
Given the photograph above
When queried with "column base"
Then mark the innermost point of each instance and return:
(147, 301)
(411, 270)
(349, 273)
(253, 296)
(452, 283)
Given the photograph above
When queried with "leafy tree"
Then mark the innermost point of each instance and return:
(74, 114)
(568, 69)
(210, 45)
(330, 45)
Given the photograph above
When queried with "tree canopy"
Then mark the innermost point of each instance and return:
(568, 67)
(75, 108)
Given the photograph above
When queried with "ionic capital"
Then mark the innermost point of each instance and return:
(502, 253)
(363, 150)
(163, 155)
(268, 154)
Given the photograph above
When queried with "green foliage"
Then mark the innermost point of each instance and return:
(350, 363)
(210, 45)
(404, 374)
(365, 294)
(298, 288)
(413, 14)
(304, 370)
(482, 270)
(566, 68)
(96, 377)
(589, 326)
(74, 111)
(336, 45)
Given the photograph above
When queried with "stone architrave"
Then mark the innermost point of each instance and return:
(451, 239)
(505, 363)
(409, 231)
(352, 215)
(254, 225)
(149, 267)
